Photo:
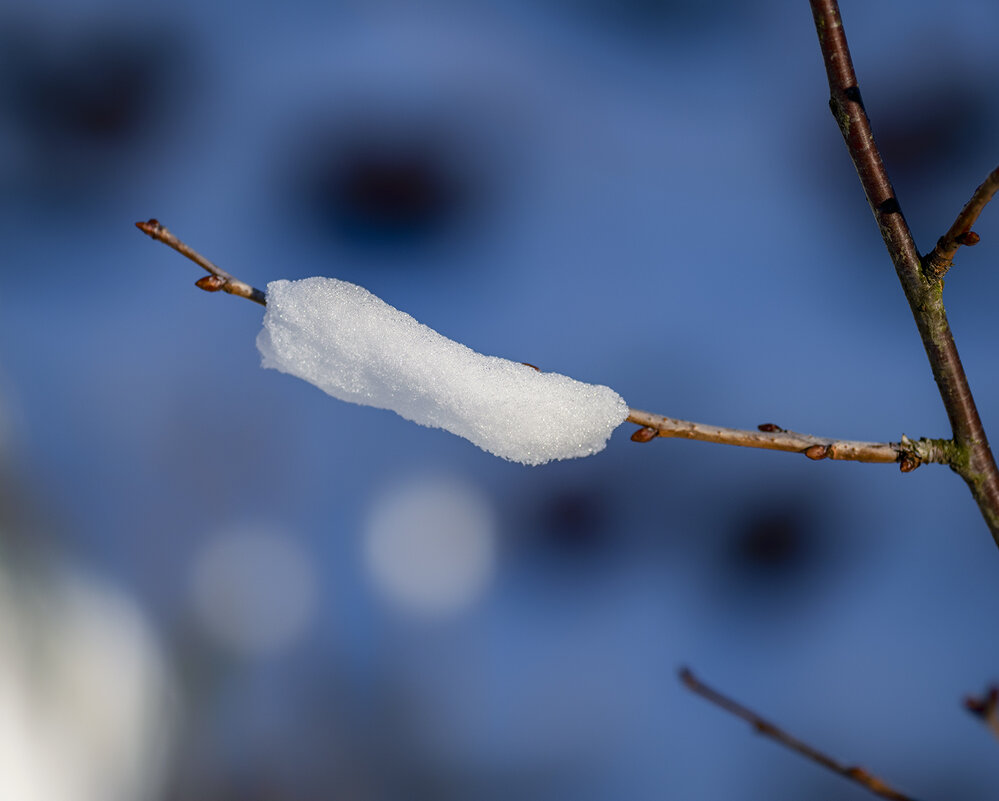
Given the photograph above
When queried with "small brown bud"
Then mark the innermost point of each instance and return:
(909, 462)
(817, 452)
(644, 434)
(968, 238)
(210, 283)
(769, 427)
(150, 226)
(528, 364)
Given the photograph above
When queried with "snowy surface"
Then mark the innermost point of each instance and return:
(357, 348)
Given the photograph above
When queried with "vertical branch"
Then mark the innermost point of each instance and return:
(975, 462)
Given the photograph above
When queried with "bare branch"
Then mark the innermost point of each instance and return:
(939, 260)
(219, 278)
(973, 458)
(768, 729)
(908, 453)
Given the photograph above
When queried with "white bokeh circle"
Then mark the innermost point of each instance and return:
(430, 545)
(253, 590)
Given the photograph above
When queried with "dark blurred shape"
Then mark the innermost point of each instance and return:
(375, 187)
(94, 94)
(932, 125)
(651, 19)
(79, 107)
(575, 523)
(771, 541)
(775, 548)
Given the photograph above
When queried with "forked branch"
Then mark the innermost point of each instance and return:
(778, 735)
(939, 260)
(973, 458)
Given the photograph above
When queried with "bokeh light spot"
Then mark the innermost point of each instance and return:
(430, 546)
(253, 590)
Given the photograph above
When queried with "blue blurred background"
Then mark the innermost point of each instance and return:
(238, 588)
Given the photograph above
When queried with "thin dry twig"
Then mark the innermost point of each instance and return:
(908, 453)
(768, 729)
(218, 279)
(972, 457)
(939, 260)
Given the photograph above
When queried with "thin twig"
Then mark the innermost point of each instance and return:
(908, 453)
(973, 459)
(218, 279)
(768, 729)
(939, 260)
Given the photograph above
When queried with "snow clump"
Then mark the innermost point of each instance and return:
(354, 346)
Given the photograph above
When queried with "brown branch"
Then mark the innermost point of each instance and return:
(973, 459)
(939, 260)
(218, 279)
(768, 729)
(908, 453)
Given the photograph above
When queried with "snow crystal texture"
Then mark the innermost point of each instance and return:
(357, 348)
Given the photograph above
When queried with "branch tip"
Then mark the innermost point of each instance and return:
(150, 227)
(218, 279)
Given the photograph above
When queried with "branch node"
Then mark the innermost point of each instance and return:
(936, 263)
(770, 428)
